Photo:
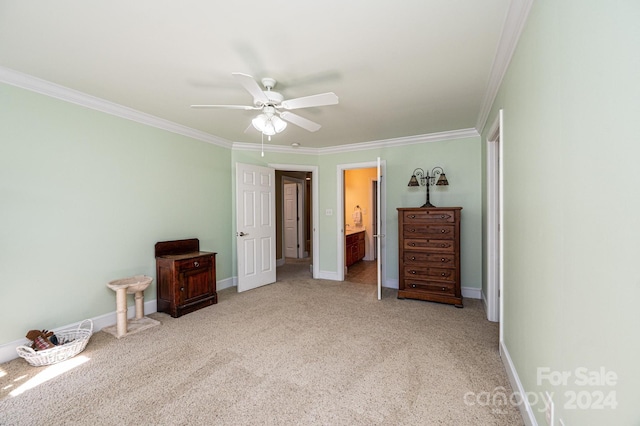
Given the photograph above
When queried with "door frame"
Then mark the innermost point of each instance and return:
(341, 168)
(315, 241)
(494, 222)
(300, 199)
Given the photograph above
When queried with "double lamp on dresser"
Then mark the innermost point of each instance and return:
(429, 254)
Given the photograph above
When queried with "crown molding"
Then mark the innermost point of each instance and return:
(362, 146)
(514, 24)
(395, 142)
(53, 90)
(247, 146)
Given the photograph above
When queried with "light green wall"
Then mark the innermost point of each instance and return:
(461, 161)
(84, 198)
(571, 99)
(86, 195)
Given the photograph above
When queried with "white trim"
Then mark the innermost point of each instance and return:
(525, 408)
(410, 140)
(471, 292)
(315, 216)
(53, 90)
(8, 350)
(493, 219)
(340, 256)
(512, 29)
(327, 275)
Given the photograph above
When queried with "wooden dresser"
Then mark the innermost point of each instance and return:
(354, 247)
(186, 277)
(429, 254)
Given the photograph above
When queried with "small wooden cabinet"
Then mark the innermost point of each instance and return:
(429, 254)
(186, 277)
(354, 247)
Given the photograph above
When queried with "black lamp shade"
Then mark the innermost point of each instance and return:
(413, 181)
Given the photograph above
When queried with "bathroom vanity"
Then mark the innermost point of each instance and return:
(354, 246)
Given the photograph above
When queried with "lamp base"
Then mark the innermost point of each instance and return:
(427, 204)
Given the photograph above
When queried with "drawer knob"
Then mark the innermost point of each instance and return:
(413, 272)
(443, 231)
(196, 264)
(442, 216)
(443, 289)
(412, 216)
(443, 260)
(442, 274)
(413, 258)
(412, 230)
(413, 286)
(441, 245)
(414, 244)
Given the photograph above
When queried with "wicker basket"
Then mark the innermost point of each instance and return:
(76, 340)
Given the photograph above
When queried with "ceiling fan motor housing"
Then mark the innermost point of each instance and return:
(275, 98)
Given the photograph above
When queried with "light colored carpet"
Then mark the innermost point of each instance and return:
(300, 351)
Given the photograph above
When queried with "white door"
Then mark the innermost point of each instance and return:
(495, 143)
(378, 236)
(256, 227)
(290, 210)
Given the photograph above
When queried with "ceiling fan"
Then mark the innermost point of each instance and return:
(273, 119)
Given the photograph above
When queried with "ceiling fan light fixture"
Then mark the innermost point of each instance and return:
(269, 124)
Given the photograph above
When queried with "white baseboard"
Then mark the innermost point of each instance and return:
(471, 292)
(525, 408)
(8, 350)
(327, 275)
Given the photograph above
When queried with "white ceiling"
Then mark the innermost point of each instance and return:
(400, 68)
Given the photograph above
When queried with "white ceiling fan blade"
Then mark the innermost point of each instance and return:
(245, 107)
(300, 121)
(322, 99)
(252, 87)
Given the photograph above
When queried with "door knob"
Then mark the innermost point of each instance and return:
(242, 234)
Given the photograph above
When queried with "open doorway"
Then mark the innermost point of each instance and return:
(360, 216)
(349, 209)
(296, 244)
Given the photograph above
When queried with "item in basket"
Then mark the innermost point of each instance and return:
(42, 339)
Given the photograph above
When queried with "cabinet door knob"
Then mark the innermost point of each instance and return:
(181, 288)
(196, 264)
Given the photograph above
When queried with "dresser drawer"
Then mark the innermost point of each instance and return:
(434, 231)
(442, 260)
(430, 286)
(194, 263)
(444, 246)
(428, 273)
(429, 216)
